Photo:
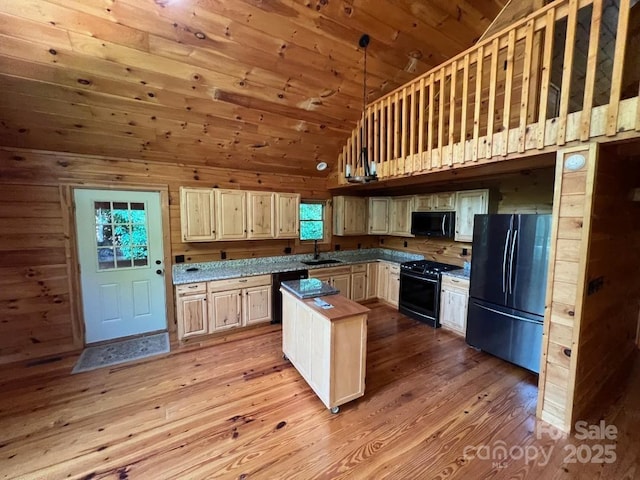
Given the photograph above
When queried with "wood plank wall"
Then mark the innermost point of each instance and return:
(612, 301)
(526, 192)
(35, 303)
(565, 287)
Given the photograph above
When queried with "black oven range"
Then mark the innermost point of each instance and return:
(420, 290)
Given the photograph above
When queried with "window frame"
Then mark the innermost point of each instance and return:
(326, 223)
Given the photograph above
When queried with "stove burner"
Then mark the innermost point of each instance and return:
(427, 268)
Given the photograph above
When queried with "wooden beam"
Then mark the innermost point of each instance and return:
(441, 116)
(618, 65)
(567, 71)
(430, 126)
(412, 128)
(506, 117)
(592, 59)
(452, 112)
(421, 123)
(526, 81)
(465, 105)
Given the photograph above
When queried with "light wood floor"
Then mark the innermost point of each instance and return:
(235, 409)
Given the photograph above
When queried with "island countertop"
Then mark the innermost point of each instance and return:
(342, 306)
(309, 288)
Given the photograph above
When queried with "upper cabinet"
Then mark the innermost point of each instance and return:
(197, 214)
(260, 215)
(444, 202)
(231, 209)
(378, 223)
(287, 215)
(468, 204)
(208, 214)
(400, 216)
(349, 215)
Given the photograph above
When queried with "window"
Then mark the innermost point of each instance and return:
(312, 220)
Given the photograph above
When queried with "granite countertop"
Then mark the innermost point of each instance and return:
(309, 288)
(459, 273)
(208, 271)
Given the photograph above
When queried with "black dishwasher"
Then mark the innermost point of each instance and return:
(276, 296)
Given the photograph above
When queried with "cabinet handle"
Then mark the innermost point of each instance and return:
(192, 286)
(243, 281)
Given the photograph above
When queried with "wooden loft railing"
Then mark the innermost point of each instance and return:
(498, 98)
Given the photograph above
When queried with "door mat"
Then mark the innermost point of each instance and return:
(120, 352)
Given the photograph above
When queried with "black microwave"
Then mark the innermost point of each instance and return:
(433, 224)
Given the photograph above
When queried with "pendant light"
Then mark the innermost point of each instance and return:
(369, 169)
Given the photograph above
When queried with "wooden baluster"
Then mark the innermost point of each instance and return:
(567, 71)
(638, 110)
(384, 158)
(388, 171)
(452, 112)
(441, 116)
(465, 103)
(526, 79)
(396, 133)
(421, 149)
(493, 80)
(354, 152)
(412, 131)
(376, 135)
(358, 169)
(477, 104)
(618, 65)
(546, 75)
(369, 158)
(432, 97)
(589, 82)
(508, 86)
(404, 132)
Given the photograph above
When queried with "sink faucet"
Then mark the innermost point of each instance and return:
(316, 254)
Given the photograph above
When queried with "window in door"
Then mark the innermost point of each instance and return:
(121, 235)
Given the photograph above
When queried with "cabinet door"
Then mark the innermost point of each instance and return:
(423, 203)
(468, 204)
(287, 215)
(343, 283)
(444, 202)
(260, 215)
(231, 209)
(400, 216)
(394, 285)
(372, 280)
(453, 309)
(358, 286)
(350, 215)
(383, 281)
(192, 315)
(225, 310)
(378, 221)
(197, 216)
(256, 306)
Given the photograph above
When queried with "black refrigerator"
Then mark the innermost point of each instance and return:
(508, 286)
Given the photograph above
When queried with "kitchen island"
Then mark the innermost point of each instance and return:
(328, 346)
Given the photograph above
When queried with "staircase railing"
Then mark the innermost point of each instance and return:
(530, 87)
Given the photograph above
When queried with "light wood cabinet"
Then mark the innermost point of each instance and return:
(209, 307)
(197, 214)
(372, 280)
(358, 282)
(444, 202)
(454, 299)
(231, 214)
(468, 204)
(225, 310)
(191, 309)
(378, 218)
(287, 215)
(400, 216)
(423, 203)
(349, 216)
(337, 277)
(260, 215)
(327, 347)
(389, 282)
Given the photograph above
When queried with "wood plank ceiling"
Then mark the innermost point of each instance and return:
(262, 85)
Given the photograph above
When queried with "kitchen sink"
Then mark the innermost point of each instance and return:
(321, 262)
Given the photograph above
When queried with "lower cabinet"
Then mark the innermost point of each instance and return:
(454, 298)
(191, 306)
(337, 277)
(358, 282)
(372, 280)
(215, 306)
(389, 282)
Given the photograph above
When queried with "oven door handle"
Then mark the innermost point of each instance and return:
(418, 277)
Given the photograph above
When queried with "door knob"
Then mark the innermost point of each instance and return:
(159, 271)
(158, 262)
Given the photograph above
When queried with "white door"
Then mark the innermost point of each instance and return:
(121, 271)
